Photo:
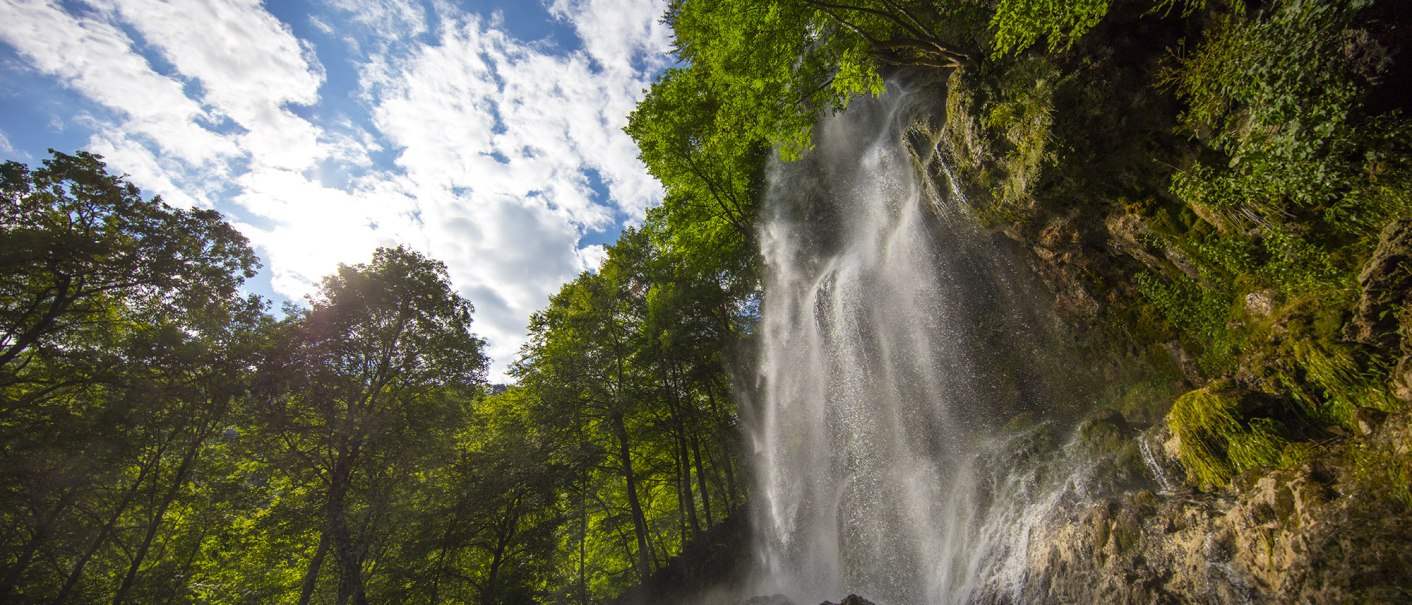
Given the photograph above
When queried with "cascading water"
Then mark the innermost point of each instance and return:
(897, 341)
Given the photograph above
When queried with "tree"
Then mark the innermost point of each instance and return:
(776, 64)
(75, 241)
(115, 315)
(366, 393)
(579, 364)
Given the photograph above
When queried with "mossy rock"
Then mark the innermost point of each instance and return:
(1109, 443)
(1224, 431)
(1105, 431)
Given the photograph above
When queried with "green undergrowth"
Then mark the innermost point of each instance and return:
(1222, 437)
(1337, 381)
(1251, 259)
(1294, 179)
(1000, 119)
(1242, 178)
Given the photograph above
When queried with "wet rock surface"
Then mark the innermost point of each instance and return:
(852, 599)
(1316, 534)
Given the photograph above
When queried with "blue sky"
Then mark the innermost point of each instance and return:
(487, 134)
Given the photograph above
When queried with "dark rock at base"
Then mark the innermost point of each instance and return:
(775, 599)
(707, 570)
(852, 599)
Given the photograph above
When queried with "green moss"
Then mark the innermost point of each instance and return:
(999, 132)
(1143, 398)
(1338, 380)
(1198, 312)
(1217, 443)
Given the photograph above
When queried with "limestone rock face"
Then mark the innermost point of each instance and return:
(1310, 535)
(1386, 282)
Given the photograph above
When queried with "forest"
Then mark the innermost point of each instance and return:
(1216, 193)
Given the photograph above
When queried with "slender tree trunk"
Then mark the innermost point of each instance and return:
(156, 521)
(345, 552)
(445, 550)
(504, 538)
(311, 575)
(694, 427)
(191, 558)
(701, 480)
(681, 495)
(732, 492)
(66, 593)
(583, 538)
(688, 500)
(639, 521)
(732, 496)
(687, 490)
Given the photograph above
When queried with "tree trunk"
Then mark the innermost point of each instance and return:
(688, 500)
(156, 521)
(583, 538)
(345, 552)
(503, 539)
(639, 521)
(731, 494)
(66, 593)
(701, 480)
(190, 559)
(441, 556)
(311, 575)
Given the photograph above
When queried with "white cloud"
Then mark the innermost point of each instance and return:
(499, 119)
(249, 65)
(390, 19)
(496, 141)
(5, 146)
(137, 161)
(316, 227)
(616, 35)
(97, 59)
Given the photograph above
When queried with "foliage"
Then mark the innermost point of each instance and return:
(364, 391)
(82, 247)
(773, 65)
(710, 172)
(1296, 181)
(163, 439)
(126, 346)
(1278, 94)
(1195, 310)
(166, 440)
(1019, 24)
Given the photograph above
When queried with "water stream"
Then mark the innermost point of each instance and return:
(903, 379)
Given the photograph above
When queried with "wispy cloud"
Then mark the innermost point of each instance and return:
(96, 58)
(488, 152)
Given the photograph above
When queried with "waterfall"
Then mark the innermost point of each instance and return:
(900, 378)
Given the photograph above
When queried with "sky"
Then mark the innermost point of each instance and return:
(486, 134)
